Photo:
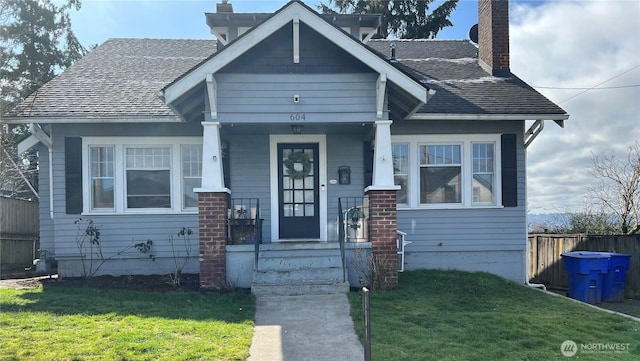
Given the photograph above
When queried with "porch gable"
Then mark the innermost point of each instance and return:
(182, 94)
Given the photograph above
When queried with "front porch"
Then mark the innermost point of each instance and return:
(299, 266)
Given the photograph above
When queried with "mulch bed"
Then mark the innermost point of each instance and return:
(157, 283)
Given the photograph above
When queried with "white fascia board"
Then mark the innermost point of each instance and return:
(449, 116)
(286, 15)
(72, 120)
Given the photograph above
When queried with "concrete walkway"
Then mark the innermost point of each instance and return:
(301, 328)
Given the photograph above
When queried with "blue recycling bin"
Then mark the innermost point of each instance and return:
(613, 280)
(585, 270)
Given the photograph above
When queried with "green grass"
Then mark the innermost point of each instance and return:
(450, 315)
(79, 323)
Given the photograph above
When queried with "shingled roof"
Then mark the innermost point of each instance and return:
(451, 68)
(122, 77)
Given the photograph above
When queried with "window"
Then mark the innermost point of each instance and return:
(483, 173)
(101, 177)
(191, 174)
(401, 170)
(148, 177)
(141, 175)
(440, 174)
(447, 171)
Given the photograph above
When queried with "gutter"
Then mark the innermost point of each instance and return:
(558, 118)
(93, 120)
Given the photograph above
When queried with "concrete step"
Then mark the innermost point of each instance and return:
(298, 268)
(308, 275)
(288, 246)
(298, 262)
(299, 289)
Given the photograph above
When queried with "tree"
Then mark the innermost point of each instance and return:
(36, 43)
(617, 187)
(587, 222)
(405, 19)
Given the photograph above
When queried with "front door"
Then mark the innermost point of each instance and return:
(298, 191)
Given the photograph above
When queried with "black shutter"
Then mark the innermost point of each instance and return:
(368, 164)
(73, 174)
(509, 171)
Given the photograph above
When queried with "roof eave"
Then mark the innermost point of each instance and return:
(107, 119)
(453, 116)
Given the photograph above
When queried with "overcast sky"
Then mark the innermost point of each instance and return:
(554, 44)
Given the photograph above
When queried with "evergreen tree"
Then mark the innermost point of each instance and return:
(36, 43)
(405, 19)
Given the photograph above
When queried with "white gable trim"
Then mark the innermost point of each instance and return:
(279, 19)
(27, 144)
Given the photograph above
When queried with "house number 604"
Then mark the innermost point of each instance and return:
(297, 116)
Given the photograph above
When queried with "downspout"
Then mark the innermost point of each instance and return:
(45, 139)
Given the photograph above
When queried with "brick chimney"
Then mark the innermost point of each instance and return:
(493, 36)
(224, 7)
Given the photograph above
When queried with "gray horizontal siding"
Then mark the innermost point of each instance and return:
(268, 98)
(484, 239)
(343, 149)
(249, 168)
(46, 223)
(117, 231)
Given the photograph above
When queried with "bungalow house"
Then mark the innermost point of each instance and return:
(290, 145)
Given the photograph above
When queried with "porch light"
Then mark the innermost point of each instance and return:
(296, 128)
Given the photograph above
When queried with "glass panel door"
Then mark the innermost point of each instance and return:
(298, 190)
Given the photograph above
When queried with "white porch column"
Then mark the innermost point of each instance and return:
(383, 158)
(212, 171)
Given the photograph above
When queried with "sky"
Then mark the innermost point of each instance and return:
(583, 55)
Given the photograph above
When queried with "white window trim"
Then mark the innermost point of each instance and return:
(119, 144)
(466, 140)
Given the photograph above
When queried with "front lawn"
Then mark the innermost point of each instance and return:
(450, 315)
(83, 323)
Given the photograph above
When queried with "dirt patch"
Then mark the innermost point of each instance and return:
(155, 283)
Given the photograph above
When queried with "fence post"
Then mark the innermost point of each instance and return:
(367, 324)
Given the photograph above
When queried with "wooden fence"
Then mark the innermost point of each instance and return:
(546, 265)
(19, 230)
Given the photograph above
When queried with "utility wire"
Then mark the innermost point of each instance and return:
(597, 85)
(598, 88)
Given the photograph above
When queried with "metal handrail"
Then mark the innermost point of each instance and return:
(258, 235)
(341, 239)
(244, 223)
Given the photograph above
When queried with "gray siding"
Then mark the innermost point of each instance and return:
(324, 98)
(274, 55)
(343, 149)
(491, 240)
(121, 230)
(46, 223)
(249, 168)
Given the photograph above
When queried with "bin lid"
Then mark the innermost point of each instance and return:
(613, 254)
(586, 254)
